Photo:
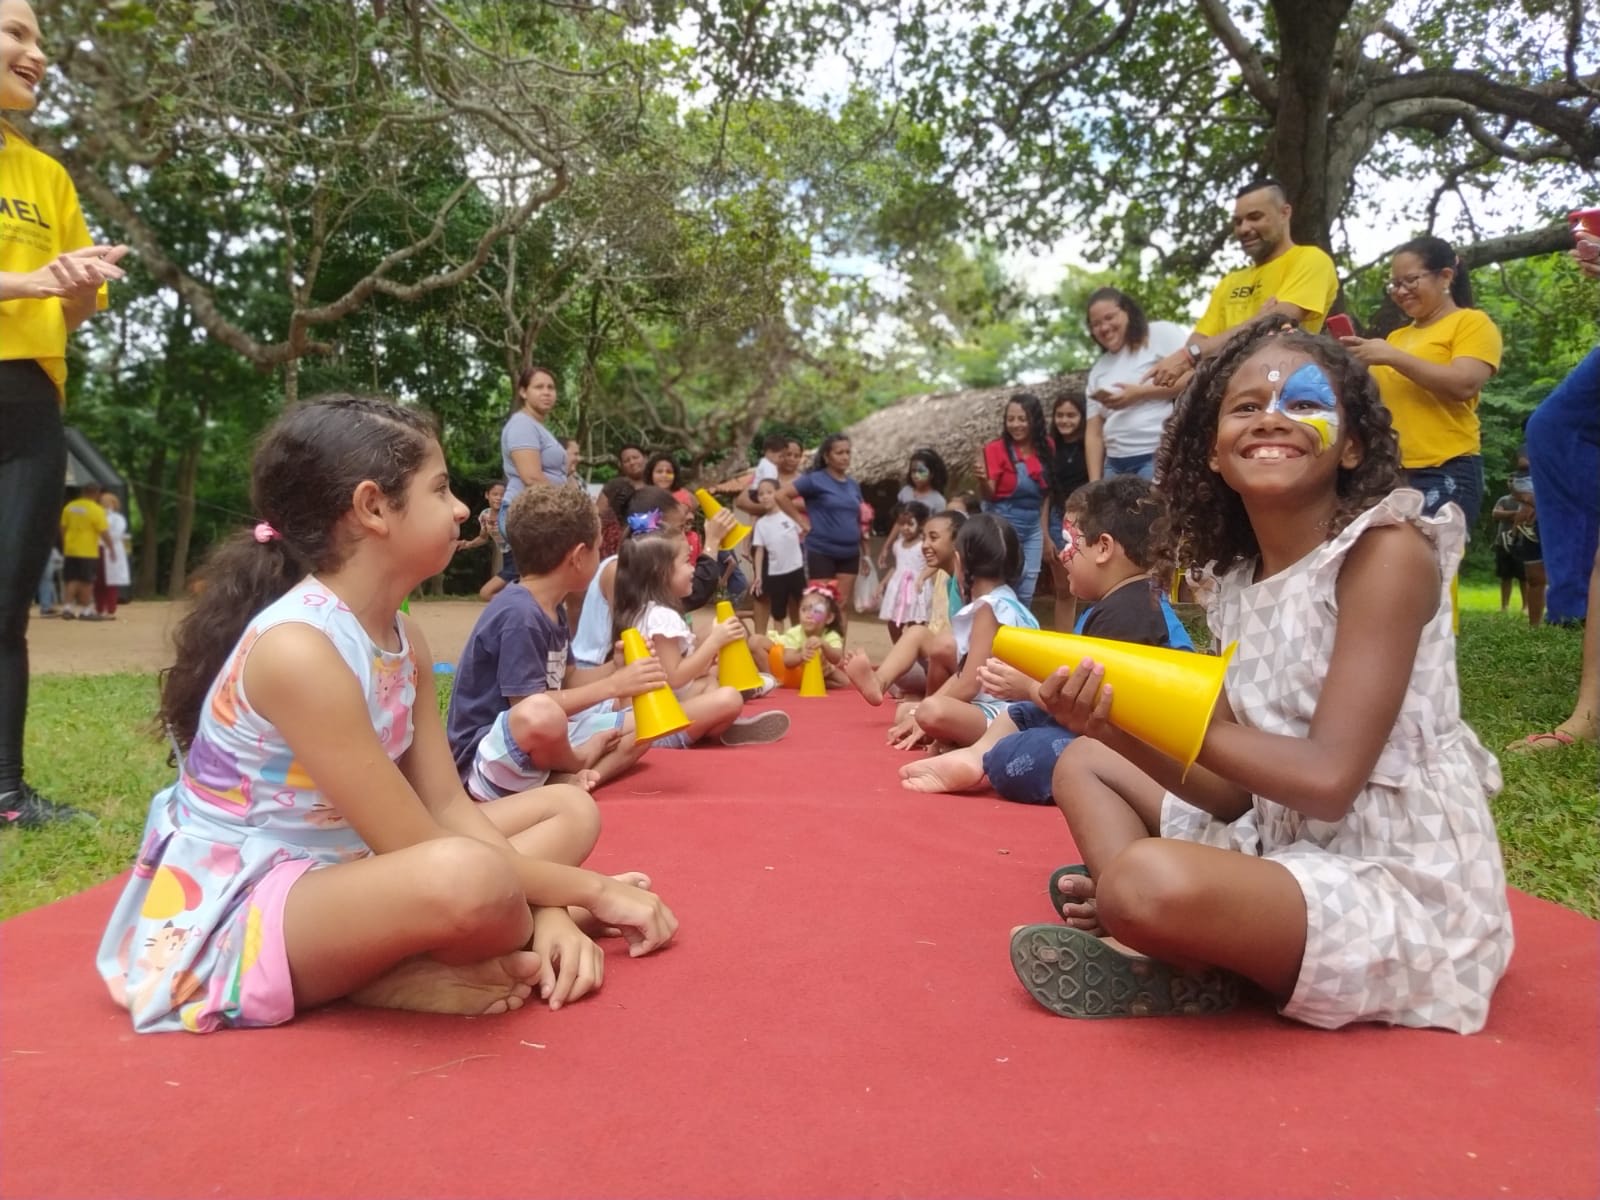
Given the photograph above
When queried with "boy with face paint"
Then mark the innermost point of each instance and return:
(1108, 546)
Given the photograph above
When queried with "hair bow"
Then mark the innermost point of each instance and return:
(645, 522)
(826, 588)
(265, 533)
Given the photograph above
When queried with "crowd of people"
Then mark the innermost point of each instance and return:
(1330, 841)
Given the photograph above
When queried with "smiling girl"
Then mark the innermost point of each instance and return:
(1333, 842)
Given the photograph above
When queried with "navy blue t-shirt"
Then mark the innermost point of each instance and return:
(1136, 612)
(515, 650)
(834, 506)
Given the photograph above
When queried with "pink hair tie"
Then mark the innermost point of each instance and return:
(266, 533)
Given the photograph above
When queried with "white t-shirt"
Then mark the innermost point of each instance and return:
(1137, 429)
(116, 558)
(765, 469)
(933, 500)
(779, 536)
(661, 621)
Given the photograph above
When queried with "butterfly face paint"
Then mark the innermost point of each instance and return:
(1307, 397)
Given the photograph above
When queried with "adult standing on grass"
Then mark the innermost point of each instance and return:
(52, 278)
(1430, 372)
(1126, 416)
(831, 517)
(529, 452)
(1286, 280)
(1015, 484)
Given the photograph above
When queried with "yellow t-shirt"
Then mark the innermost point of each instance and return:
(82, 523)
(39, 219)
(1301, 275)
(1433, 430)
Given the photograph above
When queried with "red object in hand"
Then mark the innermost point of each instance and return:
(1586, 219)
(1340, 326)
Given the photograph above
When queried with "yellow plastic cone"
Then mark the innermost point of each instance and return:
(811, 680)
(1162, 697)
(711, 508)
(657, 713)
(736, 666)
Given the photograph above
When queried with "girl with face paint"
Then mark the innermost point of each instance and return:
(1333, 842)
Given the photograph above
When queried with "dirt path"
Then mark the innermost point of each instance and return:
(138, 640)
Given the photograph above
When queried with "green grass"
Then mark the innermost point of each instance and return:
(89, 744)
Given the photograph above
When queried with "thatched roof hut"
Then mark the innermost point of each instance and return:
(956, 424)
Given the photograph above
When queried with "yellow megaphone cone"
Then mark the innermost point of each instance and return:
(736, 666)
(811, 680)
(657, 713)
(711, 508)
(1162, 697)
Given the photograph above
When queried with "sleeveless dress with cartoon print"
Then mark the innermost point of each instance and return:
(196, 941)
(1405, 896)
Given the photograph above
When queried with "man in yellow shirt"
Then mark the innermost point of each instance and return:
(51, 279)
(1297, 282)
(84, 529)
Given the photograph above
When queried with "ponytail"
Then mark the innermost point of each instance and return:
(1436, 254)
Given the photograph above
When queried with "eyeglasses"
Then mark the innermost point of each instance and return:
(1408, 284)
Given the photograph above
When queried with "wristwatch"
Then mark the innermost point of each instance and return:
(1193, 351)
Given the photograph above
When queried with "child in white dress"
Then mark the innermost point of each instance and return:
(905, 594)
(1333, 843)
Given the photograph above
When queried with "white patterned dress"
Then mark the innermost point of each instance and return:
(1406, 896)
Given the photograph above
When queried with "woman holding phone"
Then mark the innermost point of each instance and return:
(52, 279)
(1430, 372)
(1126, 417)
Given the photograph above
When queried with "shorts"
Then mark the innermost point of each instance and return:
(1506, 565)
(990, 709)
(1457, 481)
(80, 570)
(500, 767)
(783, 590)
(830, 566)
(1021, 766)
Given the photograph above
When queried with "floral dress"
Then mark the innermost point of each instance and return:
(196, 941)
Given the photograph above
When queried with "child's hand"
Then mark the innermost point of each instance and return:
(646, 922)
(755, 588)
(638, 678)
(1078, 700)
(725, 633)
(1003, 681)
(906, 734)
(571, 965)
(719, 527)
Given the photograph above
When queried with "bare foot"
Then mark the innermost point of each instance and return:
(425, 984)
(1076, 903)
(958, 771)
(859, 670)
(586, 920)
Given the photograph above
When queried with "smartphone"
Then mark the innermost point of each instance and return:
(1339, 326)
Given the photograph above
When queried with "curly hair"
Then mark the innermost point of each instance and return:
(1043, 446)
(1132, 511)
(545, 522)
(303, 477)
(1209, 523)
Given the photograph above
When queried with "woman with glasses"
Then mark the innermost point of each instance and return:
(1430, 372)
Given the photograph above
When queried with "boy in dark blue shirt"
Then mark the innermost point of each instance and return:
(520, 713)
(1107, 546)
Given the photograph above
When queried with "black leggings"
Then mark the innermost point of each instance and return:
(33, 472)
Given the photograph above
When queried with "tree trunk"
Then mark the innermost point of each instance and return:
(1298, 149)
(291, 382)
(148, 492)
(188, 470)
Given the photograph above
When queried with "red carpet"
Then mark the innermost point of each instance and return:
(837, 1017)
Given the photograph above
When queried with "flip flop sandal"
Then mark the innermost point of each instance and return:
(1533, 740)
(1075, 974)
(1058, 900)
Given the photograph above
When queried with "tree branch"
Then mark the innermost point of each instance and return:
(1254, 71)
(1529, 244)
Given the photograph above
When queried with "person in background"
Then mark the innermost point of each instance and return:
(1126, 415)
(926, 479)
(1509, 515)
(49, 593)
(1068, 471)
(630, 461)
(1286, 280)
(529, 452)
(831, 518)
(84, 532)
(52, 280)
(1430, 372)
(1012, 478)
(574, 456)
(114, 574)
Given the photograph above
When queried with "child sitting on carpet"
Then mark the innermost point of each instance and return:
(820, 631)
(988, 558)
(519, 710)
(317, 843)
(1109, 548)
(1333, 842)
(932, 644)
(654, 574)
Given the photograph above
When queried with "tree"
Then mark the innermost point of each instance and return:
(1130, 120)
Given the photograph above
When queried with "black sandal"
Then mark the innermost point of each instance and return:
(1059, 899)
(1075, 974)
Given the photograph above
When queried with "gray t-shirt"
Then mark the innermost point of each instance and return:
(523, 432)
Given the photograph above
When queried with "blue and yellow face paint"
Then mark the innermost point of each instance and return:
(1308, 398)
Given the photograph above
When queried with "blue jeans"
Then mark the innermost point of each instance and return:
(737, 584)
(1564, 452)
(1142, 465)
(1457, 480)
(1024, 518)
(1020, 765)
